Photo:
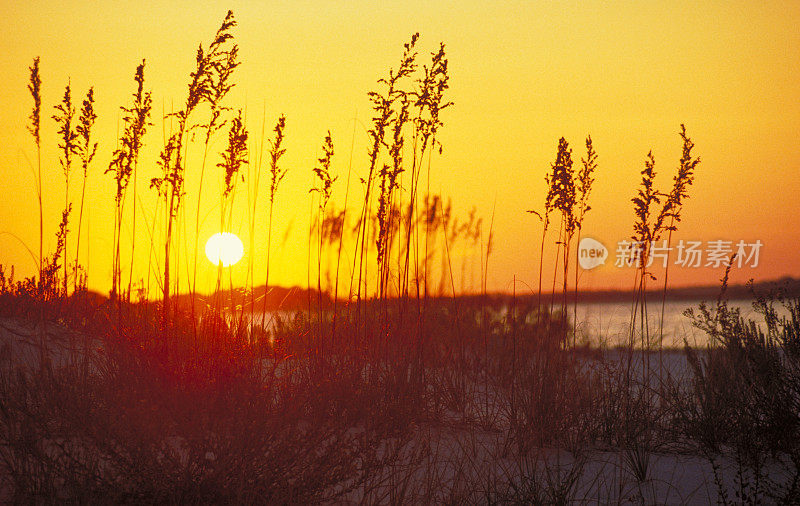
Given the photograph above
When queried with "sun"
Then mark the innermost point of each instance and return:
(224, 248)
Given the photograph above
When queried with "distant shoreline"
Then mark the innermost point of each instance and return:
(788, 287)
(298, 298)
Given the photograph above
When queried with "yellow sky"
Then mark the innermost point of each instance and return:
(523, 74)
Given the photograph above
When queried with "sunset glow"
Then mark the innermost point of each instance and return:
(474, 252)
(523, 74)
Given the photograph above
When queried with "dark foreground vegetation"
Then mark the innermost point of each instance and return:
(104, 404)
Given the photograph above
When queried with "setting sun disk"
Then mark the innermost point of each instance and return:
(224, 248)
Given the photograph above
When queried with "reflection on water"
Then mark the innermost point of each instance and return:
(609, 322)
(602, 323)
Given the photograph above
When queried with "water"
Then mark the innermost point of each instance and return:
(609, 322)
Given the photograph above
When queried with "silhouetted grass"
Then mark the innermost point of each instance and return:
(391, 394)
(124, 162)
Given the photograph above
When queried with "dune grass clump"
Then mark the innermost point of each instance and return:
(222, 62)
(740, 408)
(207, 83)
(155, 420)
(568, 193)
(656, 213)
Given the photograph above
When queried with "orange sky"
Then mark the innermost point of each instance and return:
(523, 74)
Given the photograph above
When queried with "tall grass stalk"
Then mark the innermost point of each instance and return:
(485, 327)
(681, 182)
(389, 184)
(342, 231)
(254, 182)
(222, 62)
(172, 160)
(561, 196)
(383, 106)
(233, 158)
(565, 200)
(652, 222)
(323, 173)
(544, 217)
(124, 162)
(34, 87)
(585, 179)
(429, 102)
(86, 152)
(645, 231)
(438, 74)
(64, 118)
(276, 176)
